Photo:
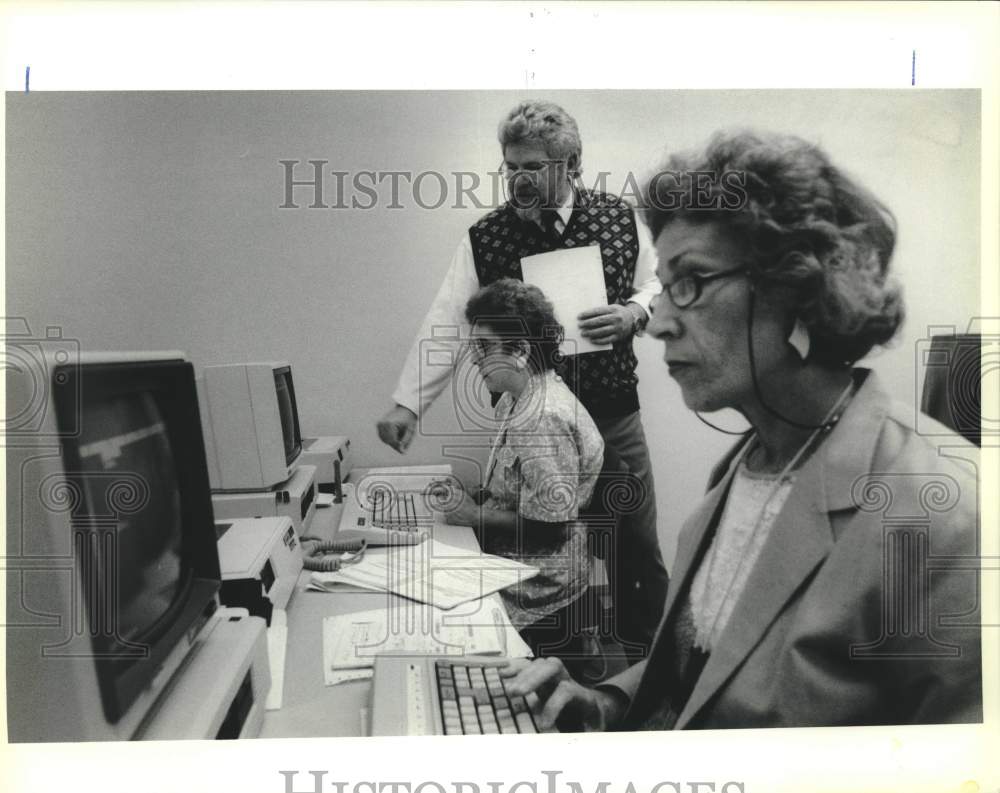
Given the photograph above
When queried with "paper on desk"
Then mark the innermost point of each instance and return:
(438, 469)
(573, 279)
(431, 572)
(513, 645)
(336, 676)
(277, 638)
(351, 641)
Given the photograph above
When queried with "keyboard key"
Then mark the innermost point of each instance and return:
(487, 719)
(525, 724)
(470, 722)
(476, 677)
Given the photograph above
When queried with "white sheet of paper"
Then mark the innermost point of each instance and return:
(336, 677)
(573, 279)
(431, 572)
(351, 641)
(277, 641)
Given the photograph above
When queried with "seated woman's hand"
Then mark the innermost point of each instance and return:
(563, 703)
(455, 503)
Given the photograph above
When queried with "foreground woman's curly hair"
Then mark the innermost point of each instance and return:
(805, 225)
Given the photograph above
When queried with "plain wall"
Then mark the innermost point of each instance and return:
(152, 221)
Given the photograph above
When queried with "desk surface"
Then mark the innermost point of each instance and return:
(310, 708)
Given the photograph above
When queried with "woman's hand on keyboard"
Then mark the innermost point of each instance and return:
(563, 703)
(464, 512)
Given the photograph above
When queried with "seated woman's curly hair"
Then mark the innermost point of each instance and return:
(805, 225)
(516, 311)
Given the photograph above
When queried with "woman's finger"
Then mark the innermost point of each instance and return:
(540, 677)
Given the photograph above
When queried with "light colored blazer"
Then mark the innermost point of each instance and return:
(864, 605)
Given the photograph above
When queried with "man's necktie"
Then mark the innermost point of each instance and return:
(548, 220)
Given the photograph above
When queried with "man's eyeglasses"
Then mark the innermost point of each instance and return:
(687, 289)
(532, 171)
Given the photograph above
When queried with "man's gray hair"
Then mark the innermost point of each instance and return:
(545, 123)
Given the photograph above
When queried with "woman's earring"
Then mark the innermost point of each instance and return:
(799, 339)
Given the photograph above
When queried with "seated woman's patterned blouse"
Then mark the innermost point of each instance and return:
(545, 462)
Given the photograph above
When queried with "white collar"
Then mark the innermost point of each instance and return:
(566, 209)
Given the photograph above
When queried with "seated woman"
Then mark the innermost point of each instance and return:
(542, 466)
(798, 597)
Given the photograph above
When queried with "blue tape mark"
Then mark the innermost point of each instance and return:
(913, 69)
(27, 79)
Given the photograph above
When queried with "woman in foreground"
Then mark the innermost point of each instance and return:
(820, 580)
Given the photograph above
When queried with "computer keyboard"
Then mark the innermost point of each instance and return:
(396, 511)
(446, 696)
(474, 701)
(382, 516)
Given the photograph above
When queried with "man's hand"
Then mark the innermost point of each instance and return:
(608, 324)
(565, 704)
(396, 428)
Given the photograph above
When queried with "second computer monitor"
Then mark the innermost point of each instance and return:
(254, 425)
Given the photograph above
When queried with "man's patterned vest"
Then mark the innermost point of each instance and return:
(605, 381)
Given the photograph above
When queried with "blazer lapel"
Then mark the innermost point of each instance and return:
(693, 536)
(695, 529)
(799, 540)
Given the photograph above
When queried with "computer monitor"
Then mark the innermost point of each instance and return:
(254, 425)
(952, 391)
(112, 564)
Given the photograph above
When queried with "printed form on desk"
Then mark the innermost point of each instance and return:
(351, 641)
(431, 572)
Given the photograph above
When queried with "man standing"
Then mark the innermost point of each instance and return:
(545, 211)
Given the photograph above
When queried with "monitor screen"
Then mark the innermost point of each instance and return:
(128, 469)
(288, 412)
(143, 527)
(952, 391)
